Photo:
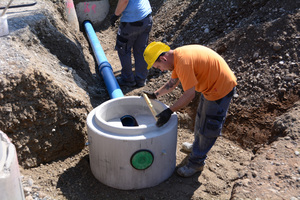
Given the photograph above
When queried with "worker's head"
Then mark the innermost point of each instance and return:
(153, 51)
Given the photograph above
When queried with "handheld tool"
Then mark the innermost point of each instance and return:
(150, 106)
(4, 11)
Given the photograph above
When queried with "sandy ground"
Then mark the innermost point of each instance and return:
(49, 82)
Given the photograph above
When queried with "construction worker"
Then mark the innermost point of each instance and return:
(200, 69)
(133, 33)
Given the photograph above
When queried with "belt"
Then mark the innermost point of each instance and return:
(137, 23)
(230, 94)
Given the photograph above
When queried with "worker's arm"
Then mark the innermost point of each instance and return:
(122, 4)
(184, 100)
(168, 87)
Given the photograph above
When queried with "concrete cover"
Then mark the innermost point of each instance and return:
(94, 11)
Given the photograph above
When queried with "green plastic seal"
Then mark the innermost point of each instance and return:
(142, 159)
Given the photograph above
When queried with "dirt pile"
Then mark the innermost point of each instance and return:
(274, 168)
(48, 85)
(41, 96)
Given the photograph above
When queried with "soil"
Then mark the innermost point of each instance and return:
(49, 83)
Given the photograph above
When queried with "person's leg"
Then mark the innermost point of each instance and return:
(201, 147)
(123, 46)
(189, 169)
(209, 122)
(139, 46)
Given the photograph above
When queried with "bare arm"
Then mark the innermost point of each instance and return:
(122, 4)
(168, 87)
(184, 100)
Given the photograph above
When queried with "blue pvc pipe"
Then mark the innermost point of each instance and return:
(104, 67)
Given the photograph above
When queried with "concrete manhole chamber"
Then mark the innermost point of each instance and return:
(131, 157)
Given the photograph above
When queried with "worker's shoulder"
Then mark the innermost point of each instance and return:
(194, 47)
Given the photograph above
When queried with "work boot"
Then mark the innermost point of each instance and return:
(187, 147)
(125, 83)
(187, 170)
(141, 83)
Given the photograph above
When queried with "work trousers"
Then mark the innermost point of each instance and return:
(209, 121)
(133, 35)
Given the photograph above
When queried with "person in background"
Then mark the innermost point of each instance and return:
(133, 33)
(200, 69)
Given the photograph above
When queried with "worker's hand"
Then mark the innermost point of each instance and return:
(150, 95)
(113, 19)
(163, 117)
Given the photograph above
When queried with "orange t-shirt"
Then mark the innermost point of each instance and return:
(199, 66)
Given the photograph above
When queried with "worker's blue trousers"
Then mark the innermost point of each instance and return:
(208, 125)
(133, 35)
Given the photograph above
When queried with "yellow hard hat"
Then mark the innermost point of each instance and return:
(153, 51)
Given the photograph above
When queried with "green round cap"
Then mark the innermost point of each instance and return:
(142, 159)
